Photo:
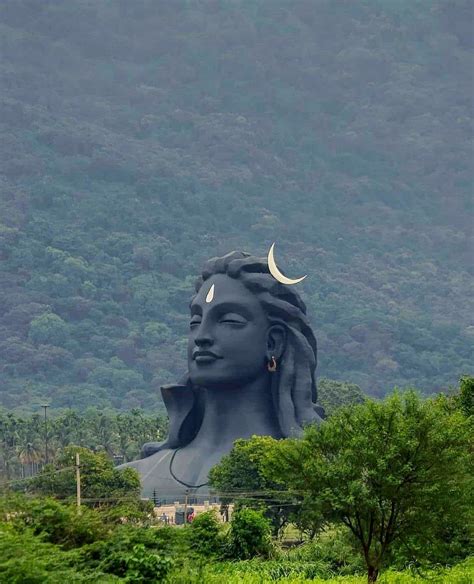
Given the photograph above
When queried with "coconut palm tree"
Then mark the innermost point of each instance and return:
(30, 456)
(9, 438)
(105, 433)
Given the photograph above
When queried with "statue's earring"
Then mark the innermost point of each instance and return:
(272, 365)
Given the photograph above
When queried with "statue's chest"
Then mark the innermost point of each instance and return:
(191, 465)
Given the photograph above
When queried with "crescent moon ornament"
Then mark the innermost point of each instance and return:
(275, 272)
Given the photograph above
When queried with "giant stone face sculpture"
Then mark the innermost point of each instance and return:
(251, 371)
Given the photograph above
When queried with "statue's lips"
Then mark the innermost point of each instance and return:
(205, 356)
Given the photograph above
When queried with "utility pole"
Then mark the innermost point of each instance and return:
(186, 507)
(78, 482)
(45, 406)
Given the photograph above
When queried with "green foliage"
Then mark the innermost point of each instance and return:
(27, 559)
(206, 536)
(48, 329)
(55, 522)
(239, 470)
(239, 478)
(133, 511)
(99, 478)
(129, 553)
(120, 435)
(333, 125)
(332, 551)
(258, 572)
(392, 472)
(108, 553)
(249, 535)
(334, 394)
(143, 566)
(98, 543)
(466, 395)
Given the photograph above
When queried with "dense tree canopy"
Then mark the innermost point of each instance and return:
(140, 138)
(238, 478)
(100, 481)
(27, 442)
(334, 394)
(397, 474)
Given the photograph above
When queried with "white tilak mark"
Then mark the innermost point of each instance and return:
(210, 294)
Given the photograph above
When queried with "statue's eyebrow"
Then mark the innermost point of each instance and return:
(226, 306)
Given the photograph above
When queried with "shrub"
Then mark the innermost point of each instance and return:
(135, 512)
(145, 566)
(57, 523)
(205, 534)
(333, 549)
(113, 555)
(249, 535)
(26, 559)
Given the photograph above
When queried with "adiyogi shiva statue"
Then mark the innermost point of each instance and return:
(251, 371)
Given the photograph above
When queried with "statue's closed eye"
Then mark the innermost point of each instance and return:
(233, 319)
(195, 321)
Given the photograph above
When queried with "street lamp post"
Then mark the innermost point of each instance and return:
(45, 406)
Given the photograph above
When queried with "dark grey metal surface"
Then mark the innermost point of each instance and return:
(236, 330)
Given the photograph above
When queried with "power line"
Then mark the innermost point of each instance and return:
(277, 497)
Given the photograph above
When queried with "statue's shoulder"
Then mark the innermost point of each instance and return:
(150, 461)
(150, 448)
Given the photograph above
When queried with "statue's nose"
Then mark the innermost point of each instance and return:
(204, 338)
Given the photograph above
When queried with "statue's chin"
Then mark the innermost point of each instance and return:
(205, 376)
(219, 376)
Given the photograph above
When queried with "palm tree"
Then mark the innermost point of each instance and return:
(61, 433)
(8, 440)
(30, 456)
(127, 448)
(105, 433)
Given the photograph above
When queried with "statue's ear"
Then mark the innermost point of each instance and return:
(276, 341)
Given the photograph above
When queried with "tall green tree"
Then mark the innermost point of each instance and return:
(100, 481)
(239, 478)
(390, 471)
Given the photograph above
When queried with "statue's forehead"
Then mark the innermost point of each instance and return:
(222, 288)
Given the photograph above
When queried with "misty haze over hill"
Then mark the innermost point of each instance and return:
(140, 138)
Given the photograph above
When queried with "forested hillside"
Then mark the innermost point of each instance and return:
(139, 138)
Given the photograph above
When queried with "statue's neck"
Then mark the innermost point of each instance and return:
(232, 413)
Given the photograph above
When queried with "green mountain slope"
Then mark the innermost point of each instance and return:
(140, 138)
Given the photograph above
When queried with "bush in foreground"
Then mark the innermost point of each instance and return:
(54, 522)
(249, 535)
(26, 558)
(206, 535)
